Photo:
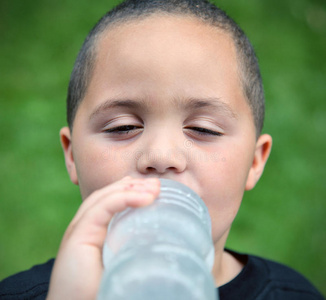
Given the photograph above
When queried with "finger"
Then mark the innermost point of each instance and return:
(127, 183)
(90, 229)
(81, 247)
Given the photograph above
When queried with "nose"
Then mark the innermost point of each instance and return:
(162, 154)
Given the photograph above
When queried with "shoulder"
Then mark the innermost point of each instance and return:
(264, 279)
(30, 284)
(284, 281)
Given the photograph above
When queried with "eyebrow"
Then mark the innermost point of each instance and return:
(115, 103)
(214, 104)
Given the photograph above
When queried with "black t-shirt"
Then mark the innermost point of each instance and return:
(260, 279)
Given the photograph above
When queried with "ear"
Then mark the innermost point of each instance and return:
(66, 143)
(262, 151)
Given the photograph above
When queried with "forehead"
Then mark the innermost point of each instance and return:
(164, 57)
(165, 36)
(168, 44)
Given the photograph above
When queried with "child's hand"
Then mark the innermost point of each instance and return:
(78, 267)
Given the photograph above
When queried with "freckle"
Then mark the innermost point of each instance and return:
(129, 186)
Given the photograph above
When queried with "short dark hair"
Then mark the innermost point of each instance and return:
(139, 9)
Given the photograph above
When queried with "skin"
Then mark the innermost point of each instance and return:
(165, 101)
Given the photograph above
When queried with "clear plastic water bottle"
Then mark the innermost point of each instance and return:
(163, 251)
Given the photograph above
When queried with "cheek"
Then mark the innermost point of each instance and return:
(235, 164)
(222, 184)
(224, 177)
(223, 204)
(99, 165)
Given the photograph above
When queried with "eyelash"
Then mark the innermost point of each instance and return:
(204, 131)
(125, 129)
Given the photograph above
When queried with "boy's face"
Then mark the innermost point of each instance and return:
(165, 100)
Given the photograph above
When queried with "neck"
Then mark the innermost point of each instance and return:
(226, 266)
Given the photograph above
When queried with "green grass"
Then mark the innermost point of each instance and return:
(283, 218)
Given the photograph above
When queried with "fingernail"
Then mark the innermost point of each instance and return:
(152, 180)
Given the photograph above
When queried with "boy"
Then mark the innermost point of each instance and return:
(162, 89)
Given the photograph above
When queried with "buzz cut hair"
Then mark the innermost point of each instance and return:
(203, 10)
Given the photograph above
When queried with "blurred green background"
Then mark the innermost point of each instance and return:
(283, 218)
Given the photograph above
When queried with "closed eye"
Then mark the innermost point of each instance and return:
(124, 129)
(204, 131)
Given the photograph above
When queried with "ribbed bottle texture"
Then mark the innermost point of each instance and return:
(162, 251)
